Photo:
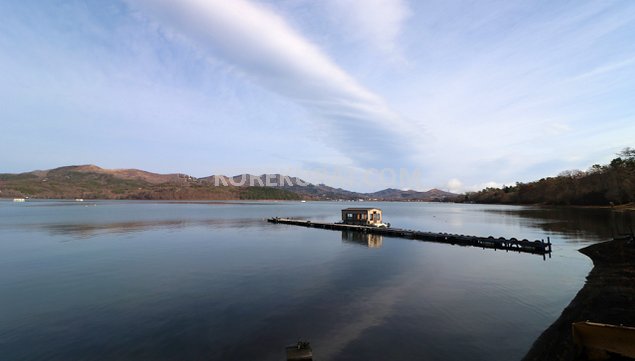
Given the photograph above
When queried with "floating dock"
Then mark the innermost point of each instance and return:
(539, 247)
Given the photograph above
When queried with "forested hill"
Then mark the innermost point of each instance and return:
(612, 183)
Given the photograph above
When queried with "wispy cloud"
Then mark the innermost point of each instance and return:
(506, 91)
(511, 91)
(261, 45)
(377, 23)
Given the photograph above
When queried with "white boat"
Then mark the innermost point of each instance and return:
(19, 200)
(79, 199)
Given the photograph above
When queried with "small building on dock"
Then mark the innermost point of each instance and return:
(362, 216)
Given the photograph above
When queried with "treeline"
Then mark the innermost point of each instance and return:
(612, 183)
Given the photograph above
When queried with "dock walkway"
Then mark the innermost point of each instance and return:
(539, 247)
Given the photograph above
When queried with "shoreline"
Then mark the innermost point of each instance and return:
(607, 296)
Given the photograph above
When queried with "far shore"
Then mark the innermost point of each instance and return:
(617, 208)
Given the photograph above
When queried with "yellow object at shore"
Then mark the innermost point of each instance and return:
(597, 339)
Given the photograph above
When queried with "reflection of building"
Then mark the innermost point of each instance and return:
(366, 239)
(362, 216)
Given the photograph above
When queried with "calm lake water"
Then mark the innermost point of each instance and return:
(115, 280)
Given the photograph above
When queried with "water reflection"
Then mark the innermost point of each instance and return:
(194, 282)
(593, 224)
(365, 239)
(89, 230)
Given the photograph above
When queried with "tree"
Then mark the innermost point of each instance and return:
(596, 168)
(617, 163)
(627, 154)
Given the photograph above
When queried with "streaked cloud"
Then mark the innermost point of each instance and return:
(377, 23)
(258, 43)
(490, 91)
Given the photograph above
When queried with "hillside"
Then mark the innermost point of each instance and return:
(407, 195)
(93, 182)
(610, 184)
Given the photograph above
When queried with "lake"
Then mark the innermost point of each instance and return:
(119, 280)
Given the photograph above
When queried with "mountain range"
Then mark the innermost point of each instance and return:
(93, 182)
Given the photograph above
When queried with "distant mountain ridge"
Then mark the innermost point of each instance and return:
(90, 181)
(398, 194)
(128, 174)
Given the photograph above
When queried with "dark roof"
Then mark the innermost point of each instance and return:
(360, 209)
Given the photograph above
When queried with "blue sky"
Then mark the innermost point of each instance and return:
(461, 93)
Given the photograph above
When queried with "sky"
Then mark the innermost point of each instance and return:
(361, 94)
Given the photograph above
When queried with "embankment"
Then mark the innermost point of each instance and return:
(607, 297)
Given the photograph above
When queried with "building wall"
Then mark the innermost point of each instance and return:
(361, 217)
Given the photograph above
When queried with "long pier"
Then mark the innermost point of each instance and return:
(539, 247)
